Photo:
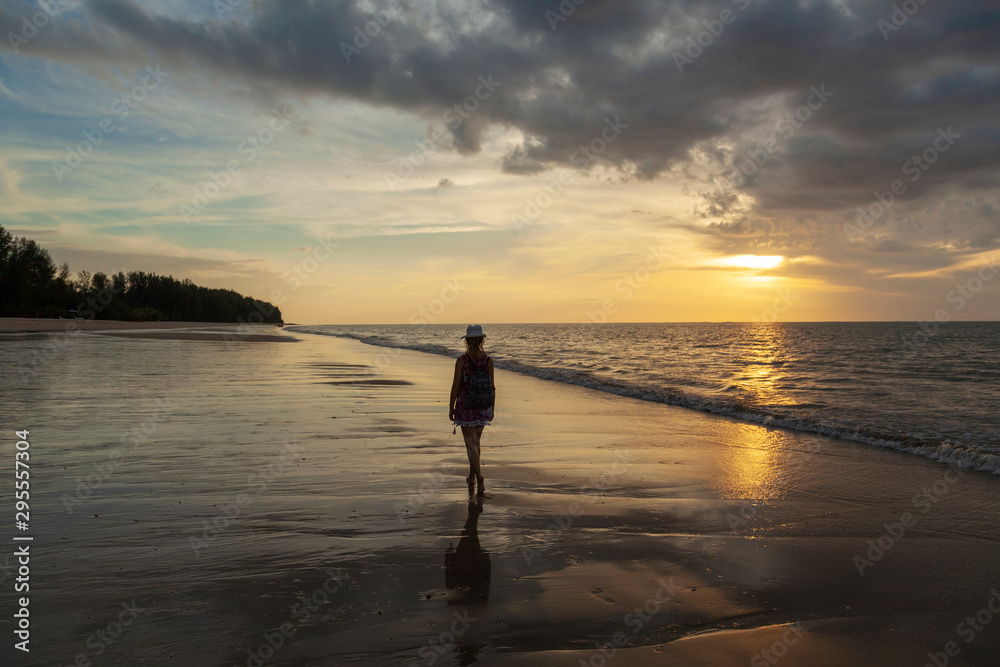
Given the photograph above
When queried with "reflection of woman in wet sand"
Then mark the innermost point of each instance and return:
(472, 399)
(467, 568)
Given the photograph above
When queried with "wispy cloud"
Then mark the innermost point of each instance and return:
(758, 132)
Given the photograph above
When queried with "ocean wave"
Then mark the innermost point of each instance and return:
(937, 448)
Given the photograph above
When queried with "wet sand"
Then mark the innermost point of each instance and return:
(217, 331)
(42, 324)
(305, 505)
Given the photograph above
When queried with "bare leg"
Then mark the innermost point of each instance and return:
(479, 438)
(472, 449)
(479, 478)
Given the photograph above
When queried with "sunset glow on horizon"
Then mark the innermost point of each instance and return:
(753, 261)
(528, 169)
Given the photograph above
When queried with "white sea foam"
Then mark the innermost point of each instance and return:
(840, 380)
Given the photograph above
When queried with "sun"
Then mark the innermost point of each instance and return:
(752, 261)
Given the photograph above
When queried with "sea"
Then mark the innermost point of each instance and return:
(930, 389)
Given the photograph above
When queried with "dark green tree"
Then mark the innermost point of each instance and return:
(32, 285)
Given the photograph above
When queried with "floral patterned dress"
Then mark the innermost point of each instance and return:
(469, 416)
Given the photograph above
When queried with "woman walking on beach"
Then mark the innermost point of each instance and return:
(472, 397)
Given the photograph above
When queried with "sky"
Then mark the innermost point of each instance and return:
(437, 161)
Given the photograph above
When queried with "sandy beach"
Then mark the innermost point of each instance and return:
(199, 502)
(42, 324)
(166, 330)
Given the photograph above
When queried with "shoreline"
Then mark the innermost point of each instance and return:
(55, 325)
(204, 331)
(306, 505)
(942, 452)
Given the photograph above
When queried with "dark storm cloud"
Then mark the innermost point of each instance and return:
(518, 161)
(832, 102)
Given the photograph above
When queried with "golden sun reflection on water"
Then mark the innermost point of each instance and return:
(750, 467)
(761, 356)
(755, 453)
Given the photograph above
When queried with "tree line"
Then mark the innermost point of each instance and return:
(31, 285)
